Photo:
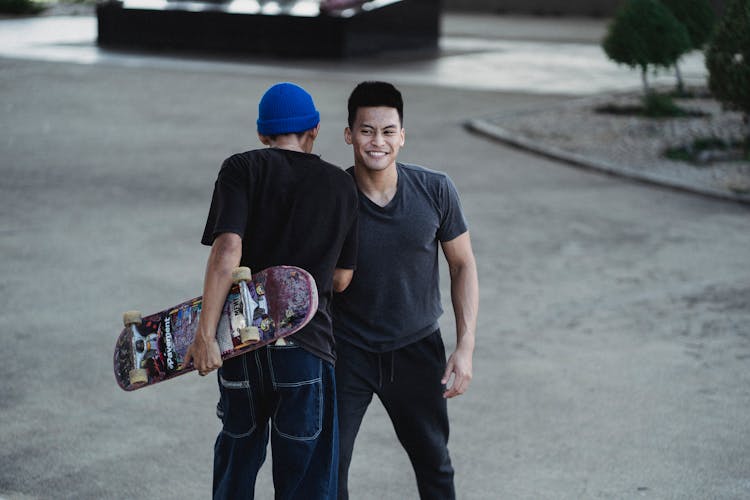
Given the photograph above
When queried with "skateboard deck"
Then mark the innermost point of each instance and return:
(260, 309)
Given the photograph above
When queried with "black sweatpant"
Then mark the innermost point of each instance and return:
(407, 381)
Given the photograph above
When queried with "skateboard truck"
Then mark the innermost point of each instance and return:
(138, 374)
(251, 334)
(248, 334)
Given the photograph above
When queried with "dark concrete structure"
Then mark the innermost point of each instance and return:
(288, 29)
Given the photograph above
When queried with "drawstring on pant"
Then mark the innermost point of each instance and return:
(380, 368)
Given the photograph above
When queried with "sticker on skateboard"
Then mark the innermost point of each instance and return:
(260, 309)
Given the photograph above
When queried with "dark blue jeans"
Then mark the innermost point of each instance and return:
(288, 393)
(407, 381)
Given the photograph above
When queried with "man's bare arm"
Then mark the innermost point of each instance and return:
(225, 255)
(341, 279)
(465, 298)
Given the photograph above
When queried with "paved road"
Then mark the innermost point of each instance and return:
(613, 347)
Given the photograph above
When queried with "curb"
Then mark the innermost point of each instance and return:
(495, 132)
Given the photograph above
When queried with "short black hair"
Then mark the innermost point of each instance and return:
(375, 94)
(275, 137)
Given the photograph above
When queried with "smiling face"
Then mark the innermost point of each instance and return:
(376, 136)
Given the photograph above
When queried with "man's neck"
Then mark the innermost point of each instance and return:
(292, 142)
(379, 186)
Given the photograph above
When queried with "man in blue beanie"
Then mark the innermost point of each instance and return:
(274, 206)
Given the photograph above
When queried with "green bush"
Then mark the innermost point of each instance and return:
(728, 59)
(20, 7)
(652, 105)
(703, 151)
(697, 16)
(660, 105)
(644, 33)
(699, 19)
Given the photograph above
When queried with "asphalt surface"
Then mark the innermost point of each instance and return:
(613, 347)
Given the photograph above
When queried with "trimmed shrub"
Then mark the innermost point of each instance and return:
(644, 33)
(697, 16)
(20, 7)
(660, 105)
(699, 19)
(728, 59)
(653, 105)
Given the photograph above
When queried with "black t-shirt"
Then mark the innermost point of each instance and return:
(290, 208)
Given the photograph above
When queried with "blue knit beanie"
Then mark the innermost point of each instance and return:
(286, 108)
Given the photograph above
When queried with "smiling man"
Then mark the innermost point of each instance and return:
(386, 322)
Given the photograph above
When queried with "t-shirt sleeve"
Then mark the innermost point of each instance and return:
(229, 204)
(349, 251)
(348, 256)
(452, 220)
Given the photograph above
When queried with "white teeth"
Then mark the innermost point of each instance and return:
(376, 153)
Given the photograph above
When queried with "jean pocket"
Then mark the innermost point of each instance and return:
(297, 378)
(235, 408)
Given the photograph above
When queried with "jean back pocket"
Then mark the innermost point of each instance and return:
(297, 379)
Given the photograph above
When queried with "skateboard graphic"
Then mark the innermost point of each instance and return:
(260, 309)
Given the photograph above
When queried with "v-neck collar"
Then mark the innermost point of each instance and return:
(394, 202)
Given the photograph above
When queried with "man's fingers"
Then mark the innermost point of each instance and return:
(453, 390)
(188, 357)
(460, 367)
(448, 371)
(450, 389)
(459, 386)
(203, 361)
(210, 365)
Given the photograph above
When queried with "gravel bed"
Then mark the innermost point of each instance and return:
(631, 145)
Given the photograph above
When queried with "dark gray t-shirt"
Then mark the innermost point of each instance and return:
(394, 297)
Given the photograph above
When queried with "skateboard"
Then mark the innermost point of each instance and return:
(260, 309)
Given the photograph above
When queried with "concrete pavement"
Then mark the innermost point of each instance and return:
(613, 345)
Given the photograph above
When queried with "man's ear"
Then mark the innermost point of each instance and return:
(348, 136)
(264, 139)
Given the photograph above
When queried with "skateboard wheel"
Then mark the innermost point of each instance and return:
(281, 342)
(249, 334)
(138, 376)
(132, 318)
(241, 274)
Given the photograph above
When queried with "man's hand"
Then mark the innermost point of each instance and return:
(204, 354)
(224, 257)
(459, 365)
